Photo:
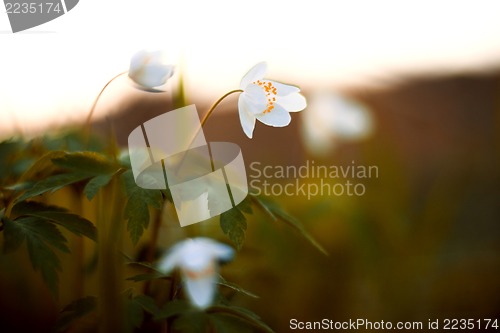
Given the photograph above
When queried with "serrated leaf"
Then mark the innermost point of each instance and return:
(71, 222)
(243, 314)
(151, 197)
(13, 237)
(39, 234)
(43, 164)
(52, 183)
(233, 224)
(74, 311)
(86, 162)
(136, 209)
(225, 283)
(95, 184)
(275, 212)
(137, 214)
(173, 308)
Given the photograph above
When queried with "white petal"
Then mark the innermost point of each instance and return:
(200, 291)
(222, 251)
(152, 75)
(148, 70)
(247, 119)
(292, 102)
(257, 72)
(277, 117)
(171, 259)
(255, 99)
(284, 89)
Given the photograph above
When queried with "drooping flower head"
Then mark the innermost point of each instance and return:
(268, 101)
(148, 70)
(198, 261)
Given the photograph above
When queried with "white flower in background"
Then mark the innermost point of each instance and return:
(197, 260)
(332, 118)
(148, 70)
(268, 101)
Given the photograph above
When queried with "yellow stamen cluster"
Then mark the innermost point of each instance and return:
(270, 94)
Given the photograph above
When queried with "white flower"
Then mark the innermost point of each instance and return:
(331, 118)
(268, 101)
(148, 70)
(197, 259)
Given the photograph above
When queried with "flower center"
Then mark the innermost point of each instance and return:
(204, 273)
(270, 91)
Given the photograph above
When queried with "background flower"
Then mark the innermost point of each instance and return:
(148, 70)
(197, 259)
(332, 118)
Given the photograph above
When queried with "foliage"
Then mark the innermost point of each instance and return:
(36, 172)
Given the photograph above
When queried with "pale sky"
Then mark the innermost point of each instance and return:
(50, 74)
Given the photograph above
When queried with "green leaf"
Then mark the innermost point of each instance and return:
(43, 164)
(147, 277)
(147, 303)
(52, 183)
(275, 212)
(86, 162)
(151, 197)
(137, 214)
(245, 206)
(225, 283)
(74, 311)
(191, 322)
(141, 264)
(13, 237)
(95, 184)
(243, 314)
(173, 308)
(39, 233)
(233, 224)
(136, 209)
(134, 313)
(71, 222)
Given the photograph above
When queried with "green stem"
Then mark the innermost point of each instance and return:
(203, 122)
(92, 109)
(212, 108)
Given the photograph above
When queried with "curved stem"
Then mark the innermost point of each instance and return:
(212, 108)
(92, 109)
(202, 123)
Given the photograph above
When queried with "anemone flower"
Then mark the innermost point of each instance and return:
(267, 101)
(198, 260)
(148, 70)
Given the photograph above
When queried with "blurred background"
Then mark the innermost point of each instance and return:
(413, 89)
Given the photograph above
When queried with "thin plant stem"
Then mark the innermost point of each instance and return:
(156, 226)
(203, 122)
(212, 108)
(94, 105)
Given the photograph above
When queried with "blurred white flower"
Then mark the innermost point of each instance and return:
(148, 70)
(268, 101)
(332, 118)
(197, 259)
